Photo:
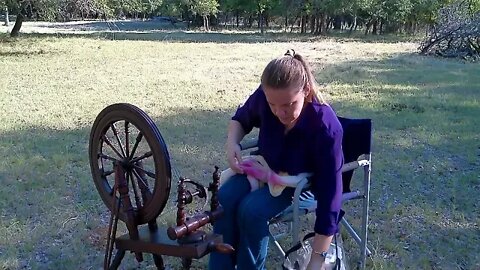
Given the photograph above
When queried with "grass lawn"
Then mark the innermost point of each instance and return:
(425, 179)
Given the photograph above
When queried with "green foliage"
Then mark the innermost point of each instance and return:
(205, 7)
(474, 6)
(383, 15)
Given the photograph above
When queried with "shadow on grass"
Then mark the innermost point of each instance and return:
(151, 30)
(183, 36)
(122, 26)
(26, 53)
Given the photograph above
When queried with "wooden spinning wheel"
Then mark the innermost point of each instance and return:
(131, 170)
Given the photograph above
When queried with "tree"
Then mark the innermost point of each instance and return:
(7, 21)
(20, 18)
(205, 8)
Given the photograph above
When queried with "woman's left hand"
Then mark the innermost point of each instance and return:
(253, 168)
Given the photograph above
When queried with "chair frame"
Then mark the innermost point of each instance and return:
(301, 193)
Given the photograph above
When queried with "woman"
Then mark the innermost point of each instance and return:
(298, 132)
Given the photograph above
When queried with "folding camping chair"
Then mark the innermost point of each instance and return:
(356, 144)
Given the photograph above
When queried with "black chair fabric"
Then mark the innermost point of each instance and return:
(357, 140)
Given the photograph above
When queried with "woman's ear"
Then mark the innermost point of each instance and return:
(307, 92)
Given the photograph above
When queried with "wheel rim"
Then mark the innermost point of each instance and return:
(125, 135)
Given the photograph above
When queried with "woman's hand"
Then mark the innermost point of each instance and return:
(253, 168)
(320, 243)
(234, 157)
(317, 262)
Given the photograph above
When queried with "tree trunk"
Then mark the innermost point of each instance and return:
(236, 16)
(293, 24)
(262, 27)
(375, 27)
(302, 24)
(286, 21)
(337, 22)
(205, 23)
(354, 24)
(330, 24)
(17, 26)
(313, 19)
(7, 21)
(323, 23)
(367, 27)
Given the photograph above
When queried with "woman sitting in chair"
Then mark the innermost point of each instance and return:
(298, 133)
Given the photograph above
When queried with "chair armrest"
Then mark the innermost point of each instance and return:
(302, 185)
(248, 144)
(360, 162)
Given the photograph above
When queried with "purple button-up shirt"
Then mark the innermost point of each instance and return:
(314, 145)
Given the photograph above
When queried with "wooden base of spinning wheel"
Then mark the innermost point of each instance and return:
(158, 243)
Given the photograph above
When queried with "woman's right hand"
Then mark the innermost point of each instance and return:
(234, 157)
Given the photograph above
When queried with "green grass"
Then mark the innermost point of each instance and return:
(425, 181)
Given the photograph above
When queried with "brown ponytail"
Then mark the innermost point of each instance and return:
(291, 71)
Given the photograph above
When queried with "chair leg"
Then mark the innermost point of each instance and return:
(364, 232)
(277, 245)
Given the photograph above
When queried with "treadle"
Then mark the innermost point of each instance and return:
(157, 242)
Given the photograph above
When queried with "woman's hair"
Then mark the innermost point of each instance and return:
(291, 71)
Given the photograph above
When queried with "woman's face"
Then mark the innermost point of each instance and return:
(286, 104)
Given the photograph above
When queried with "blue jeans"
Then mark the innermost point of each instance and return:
(244, 223)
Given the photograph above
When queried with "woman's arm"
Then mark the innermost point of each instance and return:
(245, 119)
(327, 186)
(235, 135)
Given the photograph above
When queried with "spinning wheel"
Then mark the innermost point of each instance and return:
(131, 170)
(124, 135)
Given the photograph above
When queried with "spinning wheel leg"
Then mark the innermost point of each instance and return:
(117, 260)
(186, 263)
(158, 262)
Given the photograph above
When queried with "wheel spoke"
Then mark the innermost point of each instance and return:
(127, 141)
(146, 195)
(103, 156)
(109, 143)
(138, 203)
(143, 184)
(137, 141)
(151, 174)
(115, 132)
(146, 155)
